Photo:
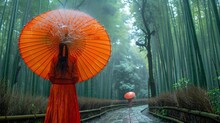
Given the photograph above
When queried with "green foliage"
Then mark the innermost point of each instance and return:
(163, 112)
(192, 97)
(181, 83)
(218, 76)
(143, 93)
(214, 96)
(130, 75)
(126, 86)
(126, 78)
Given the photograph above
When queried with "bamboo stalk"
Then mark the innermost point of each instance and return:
(38, 116)
(92, 110)
(21, 117)
(166, 117)
(194, 112)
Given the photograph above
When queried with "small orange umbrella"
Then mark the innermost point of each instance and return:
(129, 95)
(86, 38)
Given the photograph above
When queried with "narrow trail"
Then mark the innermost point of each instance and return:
(127, 115)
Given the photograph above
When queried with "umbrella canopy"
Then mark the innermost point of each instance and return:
(129, 95)
(86, 38)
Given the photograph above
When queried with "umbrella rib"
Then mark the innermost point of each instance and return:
(40, 45)
(89, 41)
(39, 31)
(84, 18)
(87, 22)
(68, 19)
(43, 23)
(45, 29)
(95, 54)
(43, 61)
(74, 20)
(86, 62)
(41, 16)
(97, 46)
(91, 44)
(35, 31)
(77, 22)
(97, 39)
(61, 17)
(104, 64)
(32, 38)
(88, 55)
(50, 18)
(90, 47)
(91, 53)
(34, 52)
(93, 61)
(82, 23)
(32, 49)
(80, 73)
(82, 69)
(41, 54)
(85, 28)
(93, 22)
(47, 19)
(32, 41)
(88, 28)
(35, 35)
(99, 31)
(47, 64)
(96, 29)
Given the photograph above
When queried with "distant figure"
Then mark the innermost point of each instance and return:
(63, 103)
(130, 102)
(129, 96)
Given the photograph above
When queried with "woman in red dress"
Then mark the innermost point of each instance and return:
(63, 103)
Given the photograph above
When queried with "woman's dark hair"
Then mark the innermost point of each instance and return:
(62, 64)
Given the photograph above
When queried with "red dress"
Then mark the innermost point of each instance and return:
(63, 103)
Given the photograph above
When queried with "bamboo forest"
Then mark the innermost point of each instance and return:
(109, 61)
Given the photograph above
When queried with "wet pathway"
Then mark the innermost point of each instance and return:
(127, 115)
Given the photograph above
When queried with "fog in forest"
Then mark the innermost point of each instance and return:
(157, 47)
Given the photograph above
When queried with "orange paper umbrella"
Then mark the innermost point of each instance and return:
(87, 41)
(129, 95)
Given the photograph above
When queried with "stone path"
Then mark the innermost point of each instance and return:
(126, 115)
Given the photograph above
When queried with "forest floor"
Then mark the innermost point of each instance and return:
(137, 114)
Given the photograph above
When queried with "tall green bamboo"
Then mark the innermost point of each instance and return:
(17, 60)
(1, 25)
(195, 44)
(215, 10)
(7, 55)
(198, 62)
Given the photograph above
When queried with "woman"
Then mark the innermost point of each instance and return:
(63, 103)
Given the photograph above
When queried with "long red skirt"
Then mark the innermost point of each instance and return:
(63, 104)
